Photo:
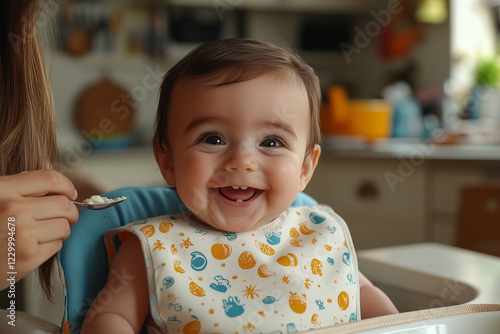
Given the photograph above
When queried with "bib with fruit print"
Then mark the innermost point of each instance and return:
(296, 273)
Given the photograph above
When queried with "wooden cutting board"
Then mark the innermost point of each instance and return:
(105, 110)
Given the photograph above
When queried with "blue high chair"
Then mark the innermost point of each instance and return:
(83, 258)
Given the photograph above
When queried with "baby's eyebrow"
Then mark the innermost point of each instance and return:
(269, 125)
(199, 121)
(283, 126)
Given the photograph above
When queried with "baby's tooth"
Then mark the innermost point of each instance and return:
(243, 188)
(235, 187)
(239, 200)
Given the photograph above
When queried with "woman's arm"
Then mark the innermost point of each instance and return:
(374, 302)
(123, 303)
(32, 223)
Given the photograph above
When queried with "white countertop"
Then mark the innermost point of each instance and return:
(456, 267)
(407, 148)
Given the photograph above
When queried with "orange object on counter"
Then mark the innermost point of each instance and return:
(334, 116)
(369, 118)
(339, 107)
(325, 120)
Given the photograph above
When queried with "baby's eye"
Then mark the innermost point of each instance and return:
(272, 142)
(212, 139)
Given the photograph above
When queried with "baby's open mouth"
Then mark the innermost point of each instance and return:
(238, 194)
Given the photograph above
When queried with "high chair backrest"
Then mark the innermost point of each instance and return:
(83, 258)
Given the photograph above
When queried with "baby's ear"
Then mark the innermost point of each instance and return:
(308, 167)
(166, 163)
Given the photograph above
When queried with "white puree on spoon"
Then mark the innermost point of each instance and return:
(96, 199)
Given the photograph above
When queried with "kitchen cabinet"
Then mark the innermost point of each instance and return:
(389, 195)
(360, 191)
(445, 182)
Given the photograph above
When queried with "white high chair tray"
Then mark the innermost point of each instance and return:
(469, 318)
(479, 323)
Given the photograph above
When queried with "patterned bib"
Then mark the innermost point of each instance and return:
(295, 273)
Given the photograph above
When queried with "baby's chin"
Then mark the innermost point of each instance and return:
(233, 224)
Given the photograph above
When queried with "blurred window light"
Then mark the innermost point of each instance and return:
(432, 11)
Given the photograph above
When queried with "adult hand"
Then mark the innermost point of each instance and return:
(36, 212)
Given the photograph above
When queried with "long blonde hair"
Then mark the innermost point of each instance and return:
(27, 126)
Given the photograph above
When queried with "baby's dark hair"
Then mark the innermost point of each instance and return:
(233, 60)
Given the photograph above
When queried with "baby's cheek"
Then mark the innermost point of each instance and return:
(284, 174)
(284, 180)
(193, 165)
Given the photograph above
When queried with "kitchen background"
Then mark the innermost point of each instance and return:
(398, 164)
(410, 88)
(362, 45)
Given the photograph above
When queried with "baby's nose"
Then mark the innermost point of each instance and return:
(242, 159)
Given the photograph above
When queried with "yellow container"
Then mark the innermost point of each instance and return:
(370, 118)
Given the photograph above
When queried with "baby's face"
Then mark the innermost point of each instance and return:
(238, 151)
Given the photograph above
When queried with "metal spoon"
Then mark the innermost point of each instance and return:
(99, 206)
